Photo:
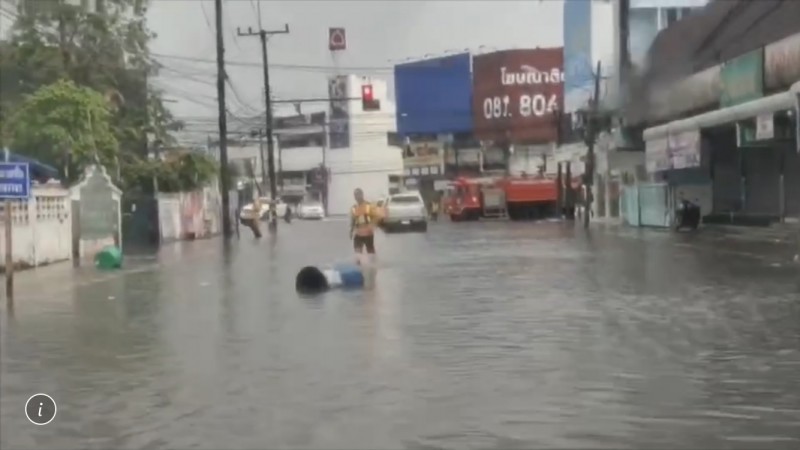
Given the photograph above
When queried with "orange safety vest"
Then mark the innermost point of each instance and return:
(363, 218)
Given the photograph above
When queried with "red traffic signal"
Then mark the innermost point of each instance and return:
(366, 92)
(368, 101)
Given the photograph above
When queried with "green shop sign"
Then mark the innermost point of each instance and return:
(742, 78)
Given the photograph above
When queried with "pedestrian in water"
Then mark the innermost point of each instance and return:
(363, 218)
(287, 216)
(250, 217)
(435, 209)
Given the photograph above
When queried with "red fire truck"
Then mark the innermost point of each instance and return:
(514, 197)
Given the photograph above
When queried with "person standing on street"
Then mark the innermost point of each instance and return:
(363, 218)
(250, 217)
(435, 208)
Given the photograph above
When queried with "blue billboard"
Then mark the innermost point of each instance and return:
(434, 96)
(578, 67)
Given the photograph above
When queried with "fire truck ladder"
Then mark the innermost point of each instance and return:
(494, 203)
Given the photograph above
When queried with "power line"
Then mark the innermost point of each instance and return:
(309, 67)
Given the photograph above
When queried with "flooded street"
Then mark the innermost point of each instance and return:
(476, 335)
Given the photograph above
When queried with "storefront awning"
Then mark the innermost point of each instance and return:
(732, 114)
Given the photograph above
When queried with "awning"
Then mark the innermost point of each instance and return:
(731, 114)
(39, 171)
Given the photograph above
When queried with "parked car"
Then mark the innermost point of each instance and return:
(280, 208)
(405, 211)
(310, 210)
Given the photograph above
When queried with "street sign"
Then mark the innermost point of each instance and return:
(337, 39)
(15, 180)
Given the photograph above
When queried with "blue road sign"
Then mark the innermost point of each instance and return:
(15, 180)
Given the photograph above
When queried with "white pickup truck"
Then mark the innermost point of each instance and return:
(405, 211)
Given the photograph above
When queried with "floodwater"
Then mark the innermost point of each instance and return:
(475, 335)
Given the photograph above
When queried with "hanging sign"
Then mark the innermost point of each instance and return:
(337, 39)
(765, 127)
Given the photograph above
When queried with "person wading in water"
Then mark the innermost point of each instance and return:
(363, 218)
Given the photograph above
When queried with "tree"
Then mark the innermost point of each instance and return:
(65, 124)
(105, 50)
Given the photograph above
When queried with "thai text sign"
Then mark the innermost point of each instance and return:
(742, 78)
(424, 154)
(517, 94)
(15, 180)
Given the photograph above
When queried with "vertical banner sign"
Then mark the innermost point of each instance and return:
(337, 39)
(578, 71)
(517, 94)
(684, 149)
(340, 113)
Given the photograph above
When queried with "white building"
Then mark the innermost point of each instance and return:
(351, 143)
(359, 154)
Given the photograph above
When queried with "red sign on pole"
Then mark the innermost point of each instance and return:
(337, 40)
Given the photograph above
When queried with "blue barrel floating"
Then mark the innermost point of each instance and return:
(313, 280)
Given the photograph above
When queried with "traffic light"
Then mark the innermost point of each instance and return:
(368, 101)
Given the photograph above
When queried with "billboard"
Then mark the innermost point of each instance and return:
(434, 96)
(516, 95)
(339, 127)
(578, 74)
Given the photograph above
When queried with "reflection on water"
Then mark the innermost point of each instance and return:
(469, 336)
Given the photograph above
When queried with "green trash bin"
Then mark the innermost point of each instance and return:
(108, 258)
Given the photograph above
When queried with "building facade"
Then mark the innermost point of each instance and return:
(727, 134)
(359, 154)
(434, 120)
(591, 36)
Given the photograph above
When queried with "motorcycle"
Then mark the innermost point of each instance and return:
(687, 215)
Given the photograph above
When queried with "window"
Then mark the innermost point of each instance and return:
(671, 16)
(406, 199)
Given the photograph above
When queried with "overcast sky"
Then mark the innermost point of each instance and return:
(379, 34)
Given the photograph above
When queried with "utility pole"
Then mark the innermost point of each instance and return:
(624, 44)
(591, 137)
(260, 134)
(224, 173)
(273, 188)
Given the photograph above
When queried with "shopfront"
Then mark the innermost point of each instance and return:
(751, 149)
(422, 172)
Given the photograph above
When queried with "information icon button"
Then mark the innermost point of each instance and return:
(40, 409)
